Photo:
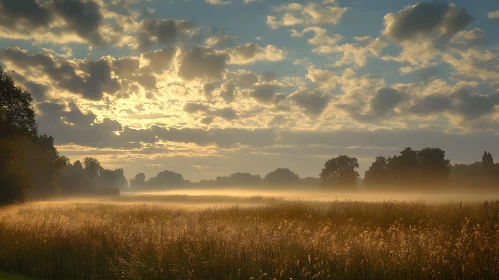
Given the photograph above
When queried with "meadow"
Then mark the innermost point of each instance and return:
(269, 239)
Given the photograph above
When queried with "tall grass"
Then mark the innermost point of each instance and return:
(282, 240)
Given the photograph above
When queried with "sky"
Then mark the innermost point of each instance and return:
(207, 88)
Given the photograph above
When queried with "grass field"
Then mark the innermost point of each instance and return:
(277, 240)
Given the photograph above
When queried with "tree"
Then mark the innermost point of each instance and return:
(138, 181)
(378, 173)
(245, 179)
(487, 160)
(112, 178)
(17, 115)
(35, 158)
(340, 171)
(92, 167)
(14, 179)
(281, 176)
(433, 166)
(166, 178)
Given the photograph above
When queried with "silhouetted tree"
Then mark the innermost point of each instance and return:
(74, 180)
(35, 158)
(245, 179)
(281, 176)
(378, 173)
(487, 160)
(433, 166)
(92, 168)
(166, 178)
(138, 181)
(112, 178)
(340, 171)
(484, 173)
(14, 179)
(17, 115)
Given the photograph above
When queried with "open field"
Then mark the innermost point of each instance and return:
(260, 238)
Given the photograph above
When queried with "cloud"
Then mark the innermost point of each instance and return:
(96, 81)
(473, 62)
(202, 63)
(250, 53)
(159, 60)
(494, 15)
(320, 36)
(327, 12)
(463, 103)
(264, 93)
(162, 31)
(355, 53)
(431, 104)
(224, 138)
(62, 21)
(470, 38)
(424, 20)
(76, 127)
(227, 114)
(385, 100)
(25, 15)
(84, 18)
(424, 30)
(251, 1)
(218, 2)
(195, 107)
(220, 40)
(313, 101)
(227, 93)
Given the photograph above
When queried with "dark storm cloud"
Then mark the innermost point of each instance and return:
(385, 100)
(246, 80)
(264, 92)
(472, 106)
(202, 63)
(162, 31)
(431, 104)
(227, 114)
(72, 126)
(84, 17)
(16, 13)
(312, 101)
(425, 19)
(195, 107)
(99, 79)
(208, 89)
(160, 60)
(92, 85)
(381, 106)
(247, 51)
(463, 102)
(38, 91)
(227, 93)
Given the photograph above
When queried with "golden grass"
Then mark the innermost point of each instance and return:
(282, 240)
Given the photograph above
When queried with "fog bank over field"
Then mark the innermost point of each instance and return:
(193, 199)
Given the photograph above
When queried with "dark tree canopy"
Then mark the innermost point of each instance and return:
(281, 176)
(17, 116)
(34, 156)
(425, 167)
(138, 181)
(340, 171)
(379, 172)
(166, 178)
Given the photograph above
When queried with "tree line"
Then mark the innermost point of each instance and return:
(278, 177)
(31, 165)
